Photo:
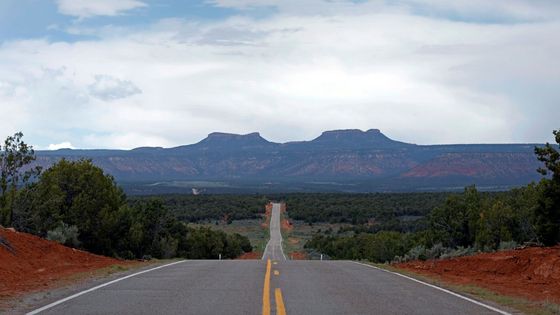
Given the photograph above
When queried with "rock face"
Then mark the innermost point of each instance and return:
(356, 156)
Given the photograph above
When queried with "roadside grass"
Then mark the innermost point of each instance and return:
(251, 228)
(293, 240)
(510, 303)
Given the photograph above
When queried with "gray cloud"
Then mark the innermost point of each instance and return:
(109, 88)
(88, 8)
(420, 78)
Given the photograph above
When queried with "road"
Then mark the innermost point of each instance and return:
(273, 285)
(273, 249)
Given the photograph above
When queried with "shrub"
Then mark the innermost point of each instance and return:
(65, 234)
(508, 245)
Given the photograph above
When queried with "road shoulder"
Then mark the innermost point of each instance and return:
(509, 304)
(72, 284)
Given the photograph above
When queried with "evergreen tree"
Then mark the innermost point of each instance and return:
(547, 213)
(14, 156)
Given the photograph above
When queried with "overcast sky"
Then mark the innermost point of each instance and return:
(129, 73)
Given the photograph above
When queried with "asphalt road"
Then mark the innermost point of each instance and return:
(268, 286)
(273, 249)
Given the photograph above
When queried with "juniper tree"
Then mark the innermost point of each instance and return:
(15, 155)
(547, 213)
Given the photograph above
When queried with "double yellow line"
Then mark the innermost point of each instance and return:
(280, 308)
(266, 290)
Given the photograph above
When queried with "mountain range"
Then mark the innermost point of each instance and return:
(339, 160)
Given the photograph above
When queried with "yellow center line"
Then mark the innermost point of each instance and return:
(276, 272)
(266, 290)
(280, 309)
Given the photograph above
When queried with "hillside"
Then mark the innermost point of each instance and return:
(29, 263)
(339, 160)
(532, 273)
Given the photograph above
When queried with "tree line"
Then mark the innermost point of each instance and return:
(464, 223)
(77, 204)
(191, 208)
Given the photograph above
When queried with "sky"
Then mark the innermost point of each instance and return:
(130, 73)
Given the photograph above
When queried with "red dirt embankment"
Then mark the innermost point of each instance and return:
(267, 214)
(250, 255)
(298, 256)
(532, 273)
(285, 224)
(36, 263)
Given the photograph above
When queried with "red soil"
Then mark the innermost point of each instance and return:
(251, 255)
(36, 263)
(532, 273)
(267, 213)
(298, 256)
(286, 225)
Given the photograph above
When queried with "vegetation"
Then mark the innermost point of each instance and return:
(77, 204)
(251, 228)
(548, 208)
(191, 208)
(387, 208)
(462, 224)
(15, 155)
(76, 197)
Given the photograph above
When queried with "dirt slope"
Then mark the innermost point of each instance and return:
(532, 273)
(35, 263)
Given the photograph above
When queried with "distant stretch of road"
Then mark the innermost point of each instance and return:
(273, 285)
(273, 248)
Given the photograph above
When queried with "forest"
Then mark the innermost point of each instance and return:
(463, 224)
(197, 208)
(77, 204)
(394, 211)
(460, 225)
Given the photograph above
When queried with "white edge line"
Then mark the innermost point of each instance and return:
(265, 248)
(438, 288)
(46, 307)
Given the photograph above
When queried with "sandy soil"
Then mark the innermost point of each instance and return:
(532, 273)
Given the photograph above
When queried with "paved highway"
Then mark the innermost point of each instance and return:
(273, 285)
(273, 249)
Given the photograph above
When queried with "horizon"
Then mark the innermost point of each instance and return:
(161, 73)
(288, 142)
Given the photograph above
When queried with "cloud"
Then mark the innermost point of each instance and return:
(62, 145)
(477, 11)
(109, 88)
(244, 4)
(89, 8)
(488, 11)
(290, 75)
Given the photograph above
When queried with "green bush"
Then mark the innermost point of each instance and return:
(76, 196)
(64, 234)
